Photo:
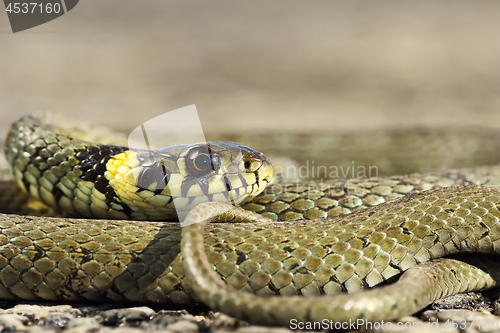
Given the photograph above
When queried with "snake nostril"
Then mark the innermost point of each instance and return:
(247, 164)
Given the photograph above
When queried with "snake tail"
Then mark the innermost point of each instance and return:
(419, 286)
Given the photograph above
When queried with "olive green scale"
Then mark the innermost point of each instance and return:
(75, 259)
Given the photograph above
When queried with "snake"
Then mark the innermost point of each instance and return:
(267, 254)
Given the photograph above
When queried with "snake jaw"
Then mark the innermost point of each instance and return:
(258, 171)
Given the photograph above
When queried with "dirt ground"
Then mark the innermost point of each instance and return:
(246, 65)
(285, 65)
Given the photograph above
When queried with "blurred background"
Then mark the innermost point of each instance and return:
(259, 64)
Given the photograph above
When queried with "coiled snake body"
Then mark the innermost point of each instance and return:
(321, 252)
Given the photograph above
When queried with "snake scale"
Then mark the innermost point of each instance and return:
(307, 239)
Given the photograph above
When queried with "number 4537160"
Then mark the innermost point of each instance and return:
(33, 7)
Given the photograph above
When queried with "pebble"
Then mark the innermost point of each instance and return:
(470, 309)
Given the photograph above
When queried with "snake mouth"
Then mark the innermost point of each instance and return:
(267, 174)
(260, 166)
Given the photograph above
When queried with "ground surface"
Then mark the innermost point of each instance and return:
(254, 65)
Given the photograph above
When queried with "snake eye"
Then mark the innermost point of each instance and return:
(202, 162)
(252, 164)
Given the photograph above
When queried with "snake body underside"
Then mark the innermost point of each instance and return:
(321, 252)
